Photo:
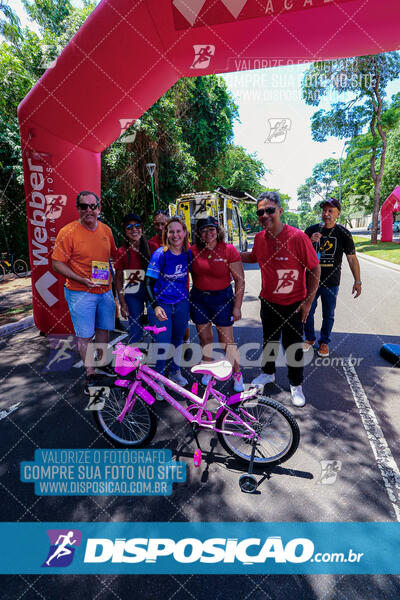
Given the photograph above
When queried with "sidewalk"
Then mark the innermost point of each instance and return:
(383, 263)
(15, 304)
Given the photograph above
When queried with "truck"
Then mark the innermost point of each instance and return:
(222, 204)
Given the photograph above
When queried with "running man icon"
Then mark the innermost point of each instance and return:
(287, 279)
(63, 543)
(202, 56)
(62, 549)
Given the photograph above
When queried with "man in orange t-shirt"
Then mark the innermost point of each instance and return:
(81, 253)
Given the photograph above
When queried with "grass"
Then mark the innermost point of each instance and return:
(389, 251)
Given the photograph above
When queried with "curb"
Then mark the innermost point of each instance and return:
(380, 262)
(20, 325)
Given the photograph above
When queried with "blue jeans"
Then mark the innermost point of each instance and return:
(178, 317)
(328, 299)
(135, 303)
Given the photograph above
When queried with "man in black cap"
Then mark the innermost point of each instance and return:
(330, 241)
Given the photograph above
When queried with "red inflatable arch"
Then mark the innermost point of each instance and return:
(125, 56)
(391, 205)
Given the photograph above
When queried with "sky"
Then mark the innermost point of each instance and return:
(266, 97)
(275, 94)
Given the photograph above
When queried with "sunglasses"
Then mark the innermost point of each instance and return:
(133, 226)
(269, 211)
(84, 206)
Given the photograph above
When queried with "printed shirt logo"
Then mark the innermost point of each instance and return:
(61, 551)
(179, 273)
(328, 247)
(202, 56)
(133, 280)
(286, 280)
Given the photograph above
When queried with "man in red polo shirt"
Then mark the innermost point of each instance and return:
(159, 219)
(284, 253)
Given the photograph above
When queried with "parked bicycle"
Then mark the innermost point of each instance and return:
(19, 267)
(254, 429)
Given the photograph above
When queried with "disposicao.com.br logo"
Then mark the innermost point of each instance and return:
(247, 551)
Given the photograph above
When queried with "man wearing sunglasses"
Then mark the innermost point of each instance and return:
(284, 253)
(81, 253)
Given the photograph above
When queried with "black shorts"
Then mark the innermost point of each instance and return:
(212, 307)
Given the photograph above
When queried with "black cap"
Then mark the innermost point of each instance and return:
(208, 222)
(131, 217)
(331, 202)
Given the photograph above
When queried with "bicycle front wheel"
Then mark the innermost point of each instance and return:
(20, 268)
(137, 428)
(278, 432)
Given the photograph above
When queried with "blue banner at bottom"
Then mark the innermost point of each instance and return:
(206, 548)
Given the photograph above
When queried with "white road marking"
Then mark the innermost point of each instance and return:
(79, 364)
(384, 458)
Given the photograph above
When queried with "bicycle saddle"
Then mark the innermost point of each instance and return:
(221, 370)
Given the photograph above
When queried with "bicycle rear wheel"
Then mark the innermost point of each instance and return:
(277, 429)
(20, 268)
(137, 428)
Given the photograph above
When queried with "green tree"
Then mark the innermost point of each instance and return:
(23, 55)
(187, 133)
(51, 15)
(207, 118)
(363, 80)
(293, 219)
(240, 171)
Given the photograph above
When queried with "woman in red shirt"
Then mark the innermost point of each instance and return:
(212, 300)
(133, 258)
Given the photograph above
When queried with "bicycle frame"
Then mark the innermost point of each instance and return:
(148, 375)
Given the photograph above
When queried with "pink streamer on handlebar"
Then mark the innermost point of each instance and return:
(155, 329)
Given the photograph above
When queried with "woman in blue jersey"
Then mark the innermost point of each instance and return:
(166, 285)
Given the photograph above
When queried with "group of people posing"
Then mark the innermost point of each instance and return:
(154, 273)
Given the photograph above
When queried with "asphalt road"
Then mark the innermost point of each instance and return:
(351, 417)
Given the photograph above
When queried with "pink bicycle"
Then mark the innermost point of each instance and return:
(253, 429)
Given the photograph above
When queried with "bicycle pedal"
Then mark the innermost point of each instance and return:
(197, 458)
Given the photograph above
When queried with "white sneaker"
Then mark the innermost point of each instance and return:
(179, 379)
(263, 379)
(238, 385)
(298, 398)
(158, 396)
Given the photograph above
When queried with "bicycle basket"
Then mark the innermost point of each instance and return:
(127, 359)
